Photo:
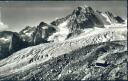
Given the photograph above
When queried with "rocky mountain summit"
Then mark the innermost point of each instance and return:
(82, 18)
(86, 17)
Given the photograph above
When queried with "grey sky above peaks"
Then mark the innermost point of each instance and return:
(19, 14)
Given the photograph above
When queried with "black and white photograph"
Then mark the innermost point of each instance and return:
(63, 40)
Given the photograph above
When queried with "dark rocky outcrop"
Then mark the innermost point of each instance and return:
(16, 43)
(119, 19)
(102, 64)
(110, 16)
(10, 42)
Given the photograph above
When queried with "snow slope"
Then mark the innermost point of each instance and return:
(61, 34)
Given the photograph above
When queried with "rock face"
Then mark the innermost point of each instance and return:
(119, 19)
(37, 35)
(16, 43)
(10, 42)
(113, 19)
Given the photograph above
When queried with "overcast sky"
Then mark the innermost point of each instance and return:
(17, 15)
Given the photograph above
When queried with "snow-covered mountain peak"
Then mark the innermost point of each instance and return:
(88, 15)
(84, 9)
(84, 17)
